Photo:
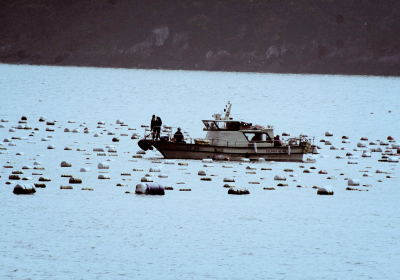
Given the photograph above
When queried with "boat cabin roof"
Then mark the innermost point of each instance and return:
(230, 125)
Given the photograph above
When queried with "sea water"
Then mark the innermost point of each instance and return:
(112, 233)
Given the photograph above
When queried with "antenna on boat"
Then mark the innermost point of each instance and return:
(228, 111)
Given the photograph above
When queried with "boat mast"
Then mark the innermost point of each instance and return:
(228, 111)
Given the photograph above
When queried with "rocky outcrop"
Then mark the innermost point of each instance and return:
(297, 36)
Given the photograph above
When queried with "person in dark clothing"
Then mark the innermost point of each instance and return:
(157, 127)
(153, 123)
(178, 136)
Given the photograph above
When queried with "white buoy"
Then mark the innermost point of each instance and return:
(280, 177)
(155, 169)
(353, 182)
(85, 169)
(103, 165)
(326, 190)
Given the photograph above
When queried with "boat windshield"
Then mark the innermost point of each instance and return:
(221, 125)
(257, 137)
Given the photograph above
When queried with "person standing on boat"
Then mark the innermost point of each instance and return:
(152, 125)
(178, 136)
(157, 127)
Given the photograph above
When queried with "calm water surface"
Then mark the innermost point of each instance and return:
(288, 233)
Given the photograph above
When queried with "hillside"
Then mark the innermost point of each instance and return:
(298, 36)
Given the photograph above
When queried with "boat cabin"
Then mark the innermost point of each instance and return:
(237, 133)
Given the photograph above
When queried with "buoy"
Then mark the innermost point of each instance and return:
(239, 192)
(24, 189)
(73, 180)
(103, 165)
(393, 159)
(229, 180)
(85, 169)
(326, 190)
(66, 164)
(146, 179)
(205, 179)
(280, 177)
(150, 189)
(44, 179)
(155, 169)
(14, 177)
(353, 182)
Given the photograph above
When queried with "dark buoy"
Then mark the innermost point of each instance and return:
(24, 189)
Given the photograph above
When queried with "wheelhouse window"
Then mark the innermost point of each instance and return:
(257, 137)
(221, 125)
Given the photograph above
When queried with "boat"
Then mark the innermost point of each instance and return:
(231, 139)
